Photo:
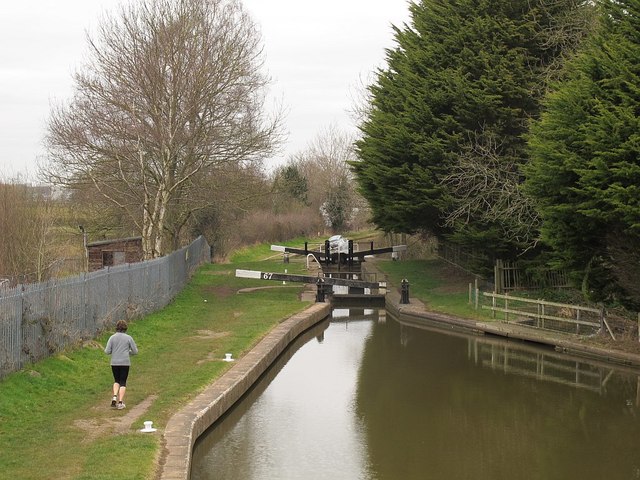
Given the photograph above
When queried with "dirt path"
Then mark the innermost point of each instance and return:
(120, 422)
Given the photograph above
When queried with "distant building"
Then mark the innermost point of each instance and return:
(108, 253)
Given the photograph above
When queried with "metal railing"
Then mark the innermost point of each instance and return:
(38, 320)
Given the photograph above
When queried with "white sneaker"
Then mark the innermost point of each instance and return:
(121, 406)
(113, 401)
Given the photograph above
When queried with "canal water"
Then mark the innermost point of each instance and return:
(364, 397)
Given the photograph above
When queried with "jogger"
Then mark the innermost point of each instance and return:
(120, 346)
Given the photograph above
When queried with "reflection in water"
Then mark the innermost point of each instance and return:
(381, 400)
(548, 366)
(300, 425)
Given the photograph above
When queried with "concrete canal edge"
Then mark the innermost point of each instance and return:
(416, 313)
(184, 428)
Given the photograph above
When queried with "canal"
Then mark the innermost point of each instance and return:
(362, 396)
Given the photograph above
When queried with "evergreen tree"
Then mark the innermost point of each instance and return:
(462, 72)
(290, 187)
(585, 168)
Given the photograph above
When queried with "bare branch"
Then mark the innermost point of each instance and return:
(486, 183)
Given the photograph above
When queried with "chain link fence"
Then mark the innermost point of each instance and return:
(38, 320)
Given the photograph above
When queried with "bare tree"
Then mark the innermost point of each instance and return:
(331, 187)
(486, 185)
(26, 223)
(173, 94)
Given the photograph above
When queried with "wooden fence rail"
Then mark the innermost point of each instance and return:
(547, 315)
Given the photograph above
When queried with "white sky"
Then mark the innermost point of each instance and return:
(317, 53)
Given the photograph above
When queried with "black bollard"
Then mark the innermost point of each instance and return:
(320, 292)
(327, 252)
(404, 292)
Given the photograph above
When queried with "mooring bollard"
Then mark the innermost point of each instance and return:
(404, 291)
(320, 292)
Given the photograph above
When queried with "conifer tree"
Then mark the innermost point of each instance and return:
(585, 167)
(462, 72)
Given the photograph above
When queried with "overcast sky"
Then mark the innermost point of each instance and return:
(317, 53)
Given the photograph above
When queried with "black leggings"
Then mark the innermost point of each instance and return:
(120, 374)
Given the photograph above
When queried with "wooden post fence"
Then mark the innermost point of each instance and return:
(511, 309)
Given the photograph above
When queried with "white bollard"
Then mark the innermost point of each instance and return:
(148, 427)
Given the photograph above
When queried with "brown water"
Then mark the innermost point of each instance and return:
(364, 397)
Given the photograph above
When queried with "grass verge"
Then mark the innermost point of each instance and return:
(55, 419)
(445, 288)
(440, 286)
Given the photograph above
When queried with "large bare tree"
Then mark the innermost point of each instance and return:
(172, 94)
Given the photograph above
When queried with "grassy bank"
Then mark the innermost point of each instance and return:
(438, 285)
(444, 288)
(55, 419)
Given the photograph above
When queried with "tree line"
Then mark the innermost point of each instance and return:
(41, 238)
(506, 127)
(165, 137)
(511, 128)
